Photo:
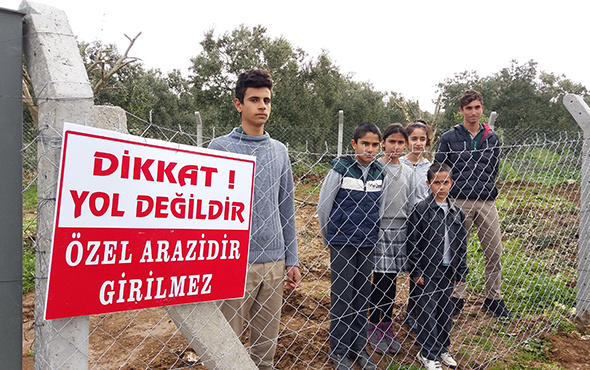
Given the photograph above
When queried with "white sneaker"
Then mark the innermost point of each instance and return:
(429, 364)
(448, 360)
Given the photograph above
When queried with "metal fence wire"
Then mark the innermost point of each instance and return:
(539, 205)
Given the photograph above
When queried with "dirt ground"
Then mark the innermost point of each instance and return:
(571, 350)
(303, 343)
(148, 339)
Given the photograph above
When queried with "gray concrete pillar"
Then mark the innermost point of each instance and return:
(210, 335)
(581, 113)
(63, 94)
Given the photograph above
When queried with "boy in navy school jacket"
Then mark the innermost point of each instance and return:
(348, 212)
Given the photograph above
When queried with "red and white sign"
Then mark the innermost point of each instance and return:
(144, 223)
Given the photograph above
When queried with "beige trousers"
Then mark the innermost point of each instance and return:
(261, 309)
(484, 215)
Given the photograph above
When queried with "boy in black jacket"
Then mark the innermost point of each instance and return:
(437, 250)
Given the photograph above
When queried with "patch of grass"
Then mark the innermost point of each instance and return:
(541, 165)
(305, 170)
(507, 172)
(567, 326)
(519, 364)
(30, 198)
(475, 261)
(396, 366)
(536, 349)
(534, 291)
(481, 341)
(29, 195)
(28, 273)
(307, 236)
(532, 354)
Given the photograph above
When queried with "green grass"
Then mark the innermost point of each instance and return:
(28, 273)
(29, 233)
(536, 349)
(529, 285)
(396, 366)
(539, 258)
(541, 165)
(30, 198)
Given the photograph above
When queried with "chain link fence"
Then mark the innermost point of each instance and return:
(539, 205)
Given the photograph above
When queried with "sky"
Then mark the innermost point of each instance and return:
(406, 47)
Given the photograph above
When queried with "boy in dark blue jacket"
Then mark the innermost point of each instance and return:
(348, 212)
(472, 150)
(437, 259)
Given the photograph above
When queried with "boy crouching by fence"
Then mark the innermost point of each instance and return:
(437, 249)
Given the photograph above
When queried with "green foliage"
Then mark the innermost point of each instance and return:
(541, 164)
(567, 326)
(536, 349)
(308, 92)
(522, 96)
(29, 217)
(538, 272)
(305, 170)
(29, 233)
(30, 198)
(522, 364)
(150, 95)
(28, 272)
(398, 366)
(475, 261)
(532, 290)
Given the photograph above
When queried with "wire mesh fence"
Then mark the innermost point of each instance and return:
(538, 205)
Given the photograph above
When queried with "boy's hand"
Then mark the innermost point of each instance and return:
(293, 277)
(418, 280)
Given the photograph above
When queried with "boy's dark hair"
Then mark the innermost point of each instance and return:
(395, 128)
(420, 123)
(362, 129)
(437, 167)
(252, 78)
(470, 95)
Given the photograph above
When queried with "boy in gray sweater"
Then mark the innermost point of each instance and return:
(273, 238)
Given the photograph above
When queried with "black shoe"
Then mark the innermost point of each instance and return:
(458, 304)
(363, 359)
(497, 308)
(341, 362)
(410, 322)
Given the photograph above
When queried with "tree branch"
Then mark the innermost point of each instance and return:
(28, 100)
(123, 61)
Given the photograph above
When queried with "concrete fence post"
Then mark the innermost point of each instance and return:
(581, 113)
(199, 124)
(492, 120)
(340, 131)
(63, 94)
(210, 335)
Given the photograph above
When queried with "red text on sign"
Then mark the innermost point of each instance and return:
(98, 203)
(134, 290)
(137, 168)
(189, 208)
